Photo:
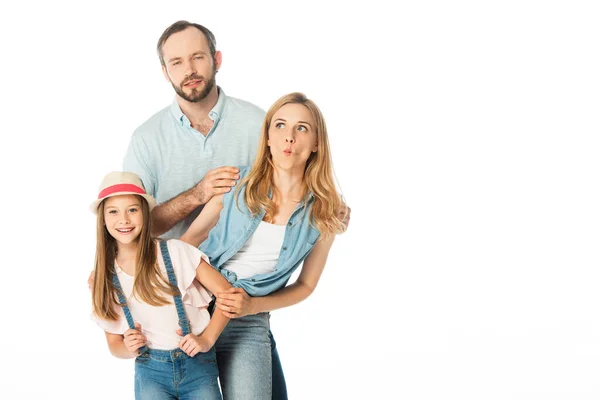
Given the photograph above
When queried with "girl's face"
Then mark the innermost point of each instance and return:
(123, 217)
(292, 136)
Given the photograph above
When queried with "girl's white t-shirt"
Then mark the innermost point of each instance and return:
(260, 253)
(160, 323)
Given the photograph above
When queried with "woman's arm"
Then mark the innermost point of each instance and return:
(204, 222)
(236, 303)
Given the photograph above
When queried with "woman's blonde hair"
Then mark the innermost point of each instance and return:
(149, 284)
(318, 174)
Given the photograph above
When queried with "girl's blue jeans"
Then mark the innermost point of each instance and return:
(172, 374)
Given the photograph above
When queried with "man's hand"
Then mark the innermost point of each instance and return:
(216, 181)
(344, 216)
(235, 303)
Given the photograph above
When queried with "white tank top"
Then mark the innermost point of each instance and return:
(260, 253)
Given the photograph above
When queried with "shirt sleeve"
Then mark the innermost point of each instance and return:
(117, 327)
(137, 160)
(185, 265)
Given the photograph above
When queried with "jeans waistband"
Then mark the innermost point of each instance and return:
(164, 355)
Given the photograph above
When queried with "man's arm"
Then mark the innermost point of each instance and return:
(217, 181)
(166, 215)
(344, 216)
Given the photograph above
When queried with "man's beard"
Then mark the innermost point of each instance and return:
(196, 96)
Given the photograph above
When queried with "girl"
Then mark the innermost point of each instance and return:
(137, 277)
(283, 212)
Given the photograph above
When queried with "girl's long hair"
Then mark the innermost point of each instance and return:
(149, 284)
(318, 174)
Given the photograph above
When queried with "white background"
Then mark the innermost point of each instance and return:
(465, 137)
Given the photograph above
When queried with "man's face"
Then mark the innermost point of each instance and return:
(189, 65)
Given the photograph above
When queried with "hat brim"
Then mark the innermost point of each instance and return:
(149, 199)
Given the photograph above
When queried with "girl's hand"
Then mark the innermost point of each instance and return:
(91, 280)
(235, 303)
(134, 339)
(192, 344)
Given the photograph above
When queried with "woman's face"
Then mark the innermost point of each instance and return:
(292, 136)
(123, 217)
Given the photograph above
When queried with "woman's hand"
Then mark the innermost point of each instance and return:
(133, 339)
(235, 303)
(192, 344)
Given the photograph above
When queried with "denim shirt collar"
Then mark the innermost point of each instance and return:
(301, 204)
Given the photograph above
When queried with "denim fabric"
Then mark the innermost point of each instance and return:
(278, 379)
(236, 226)
(244, 358)
(162, 374)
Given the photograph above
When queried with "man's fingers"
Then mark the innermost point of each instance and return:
(223, 183)
(221, 190)
(220, 170)
(226, 175)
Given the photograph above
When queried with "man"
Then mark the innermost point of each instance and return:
(185, 153)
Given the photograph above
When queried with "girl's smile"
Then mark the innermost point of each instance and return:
(123, 217)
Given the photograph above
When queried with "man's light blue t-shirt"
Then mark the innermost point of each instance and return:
(170, 156)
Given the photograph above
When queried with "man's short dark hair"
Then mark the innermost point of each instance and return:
(181, 26)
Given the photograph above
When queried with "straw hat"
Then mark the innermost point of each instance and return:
(117, 183)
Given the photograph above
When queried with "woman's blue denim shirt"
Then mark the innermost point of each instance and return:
(236, 226)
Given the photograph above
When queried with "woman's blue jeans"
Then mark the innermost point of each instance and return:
(249, 365)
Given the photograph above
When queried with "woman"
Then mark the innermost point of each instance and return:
(283, 212)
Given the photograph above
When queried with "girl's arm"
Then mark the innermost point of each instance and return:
(126, 345)
(212, 279)
(204, 222)
(236, 303)
(191, 344)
